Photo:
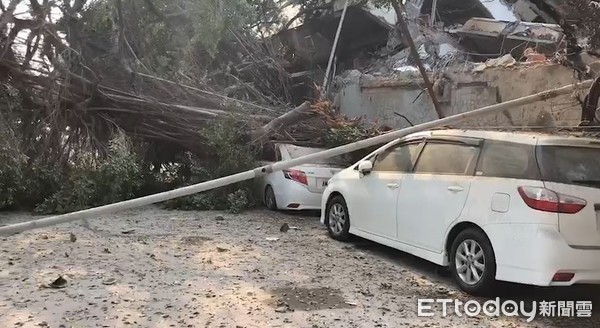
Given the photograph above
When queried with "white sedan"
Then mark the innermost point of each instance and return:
(300, 187)
(514, 207)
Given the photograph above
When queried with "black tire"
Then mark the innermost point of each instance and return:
(269, 198)
(340, 230)
(487, 278)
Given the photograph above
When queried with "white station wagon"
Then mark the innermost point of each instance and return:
(517, 207)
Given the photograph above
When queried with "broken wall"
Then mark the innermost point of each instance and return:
(382, 99)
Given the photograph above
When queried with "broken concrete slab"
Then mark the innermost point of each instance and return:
(491, 38)
(505, 61)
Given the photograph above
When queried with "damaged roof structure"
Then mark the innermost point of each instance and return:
(481, 28)
(462, 29)
(466, 36)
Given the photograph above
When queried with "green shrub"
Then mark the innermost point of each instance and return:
(228, 153)
(345, 135)
(11, 177)
(349, 134)
(40, 181)
(239, 200)
(12, 160)
(91, 184)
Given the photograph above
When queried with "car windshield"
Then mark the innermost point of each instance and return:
(572, 165)
(297, 151)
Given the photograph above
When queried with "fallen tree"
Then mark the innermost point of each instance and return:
(250, 174)
(91, 72)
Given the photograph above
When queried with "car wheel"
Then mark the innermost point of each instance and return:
(472, 262)
(337, 219)
(270, 200)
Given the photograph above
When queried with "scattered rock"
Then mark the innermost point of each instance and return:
(128, 232)
(43, 324)
(272, 239)
(386, 285)
(10, 263)
(219, 218)
(60, 282)
(282, 309)
(442, 290)
(367, 293)
(72, 237)
(284, 227)
(109, 281)
(106, 251)
(66, 254)
(44, 236)
(222, 250)
(351, 303)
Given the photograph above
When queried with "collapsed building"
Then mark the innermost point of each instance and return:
(476, 53)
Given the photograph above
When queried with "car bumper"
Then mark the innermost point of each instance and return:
(297, 197)
(323, 200)
(533, 254)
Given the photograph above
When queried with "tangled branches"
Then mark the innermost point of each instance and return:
(87, 69)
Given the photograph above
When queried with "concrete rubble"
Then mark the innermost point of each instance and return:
(473, 52)
(488, 36)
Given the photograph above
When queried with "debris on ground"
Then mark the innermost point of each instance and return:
(386, 285)
(109, 281)
(72, 237)
(534, 56)
(60, 282)
(284, 227)
(505, 61)
(172, 279)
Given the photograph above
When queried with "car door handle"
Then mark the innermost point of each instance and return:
(393, 185)
(455, 188)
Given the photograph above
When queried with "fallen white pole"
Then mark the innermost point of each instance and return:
(247, 175)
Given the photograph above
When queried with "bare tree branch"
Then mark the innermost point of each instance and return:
(8, 13)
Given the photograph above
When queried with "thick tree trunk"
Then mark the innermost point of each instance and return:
(292, 117)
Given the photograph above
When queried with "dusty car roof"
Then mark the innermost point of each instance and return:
(525, 137)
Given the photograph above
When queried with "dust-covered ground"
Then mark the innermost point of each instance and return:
(158, 268)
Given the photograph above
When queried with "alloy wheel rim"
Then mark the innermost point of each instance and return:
(270, 197)
(470, 262)
(337, 218)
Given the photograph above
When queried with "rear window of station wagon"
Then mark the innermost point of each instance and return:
(570, 165)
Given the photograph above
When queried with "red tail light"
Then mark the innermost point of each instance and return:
(546, 200)
(296, 175)
(563, 276)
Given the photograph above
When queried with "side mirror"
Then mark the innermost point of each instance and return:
(365, 167)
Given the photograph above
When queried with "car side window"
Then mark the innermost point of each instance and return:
(399, 158)
(502, 159)
(446, 158)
